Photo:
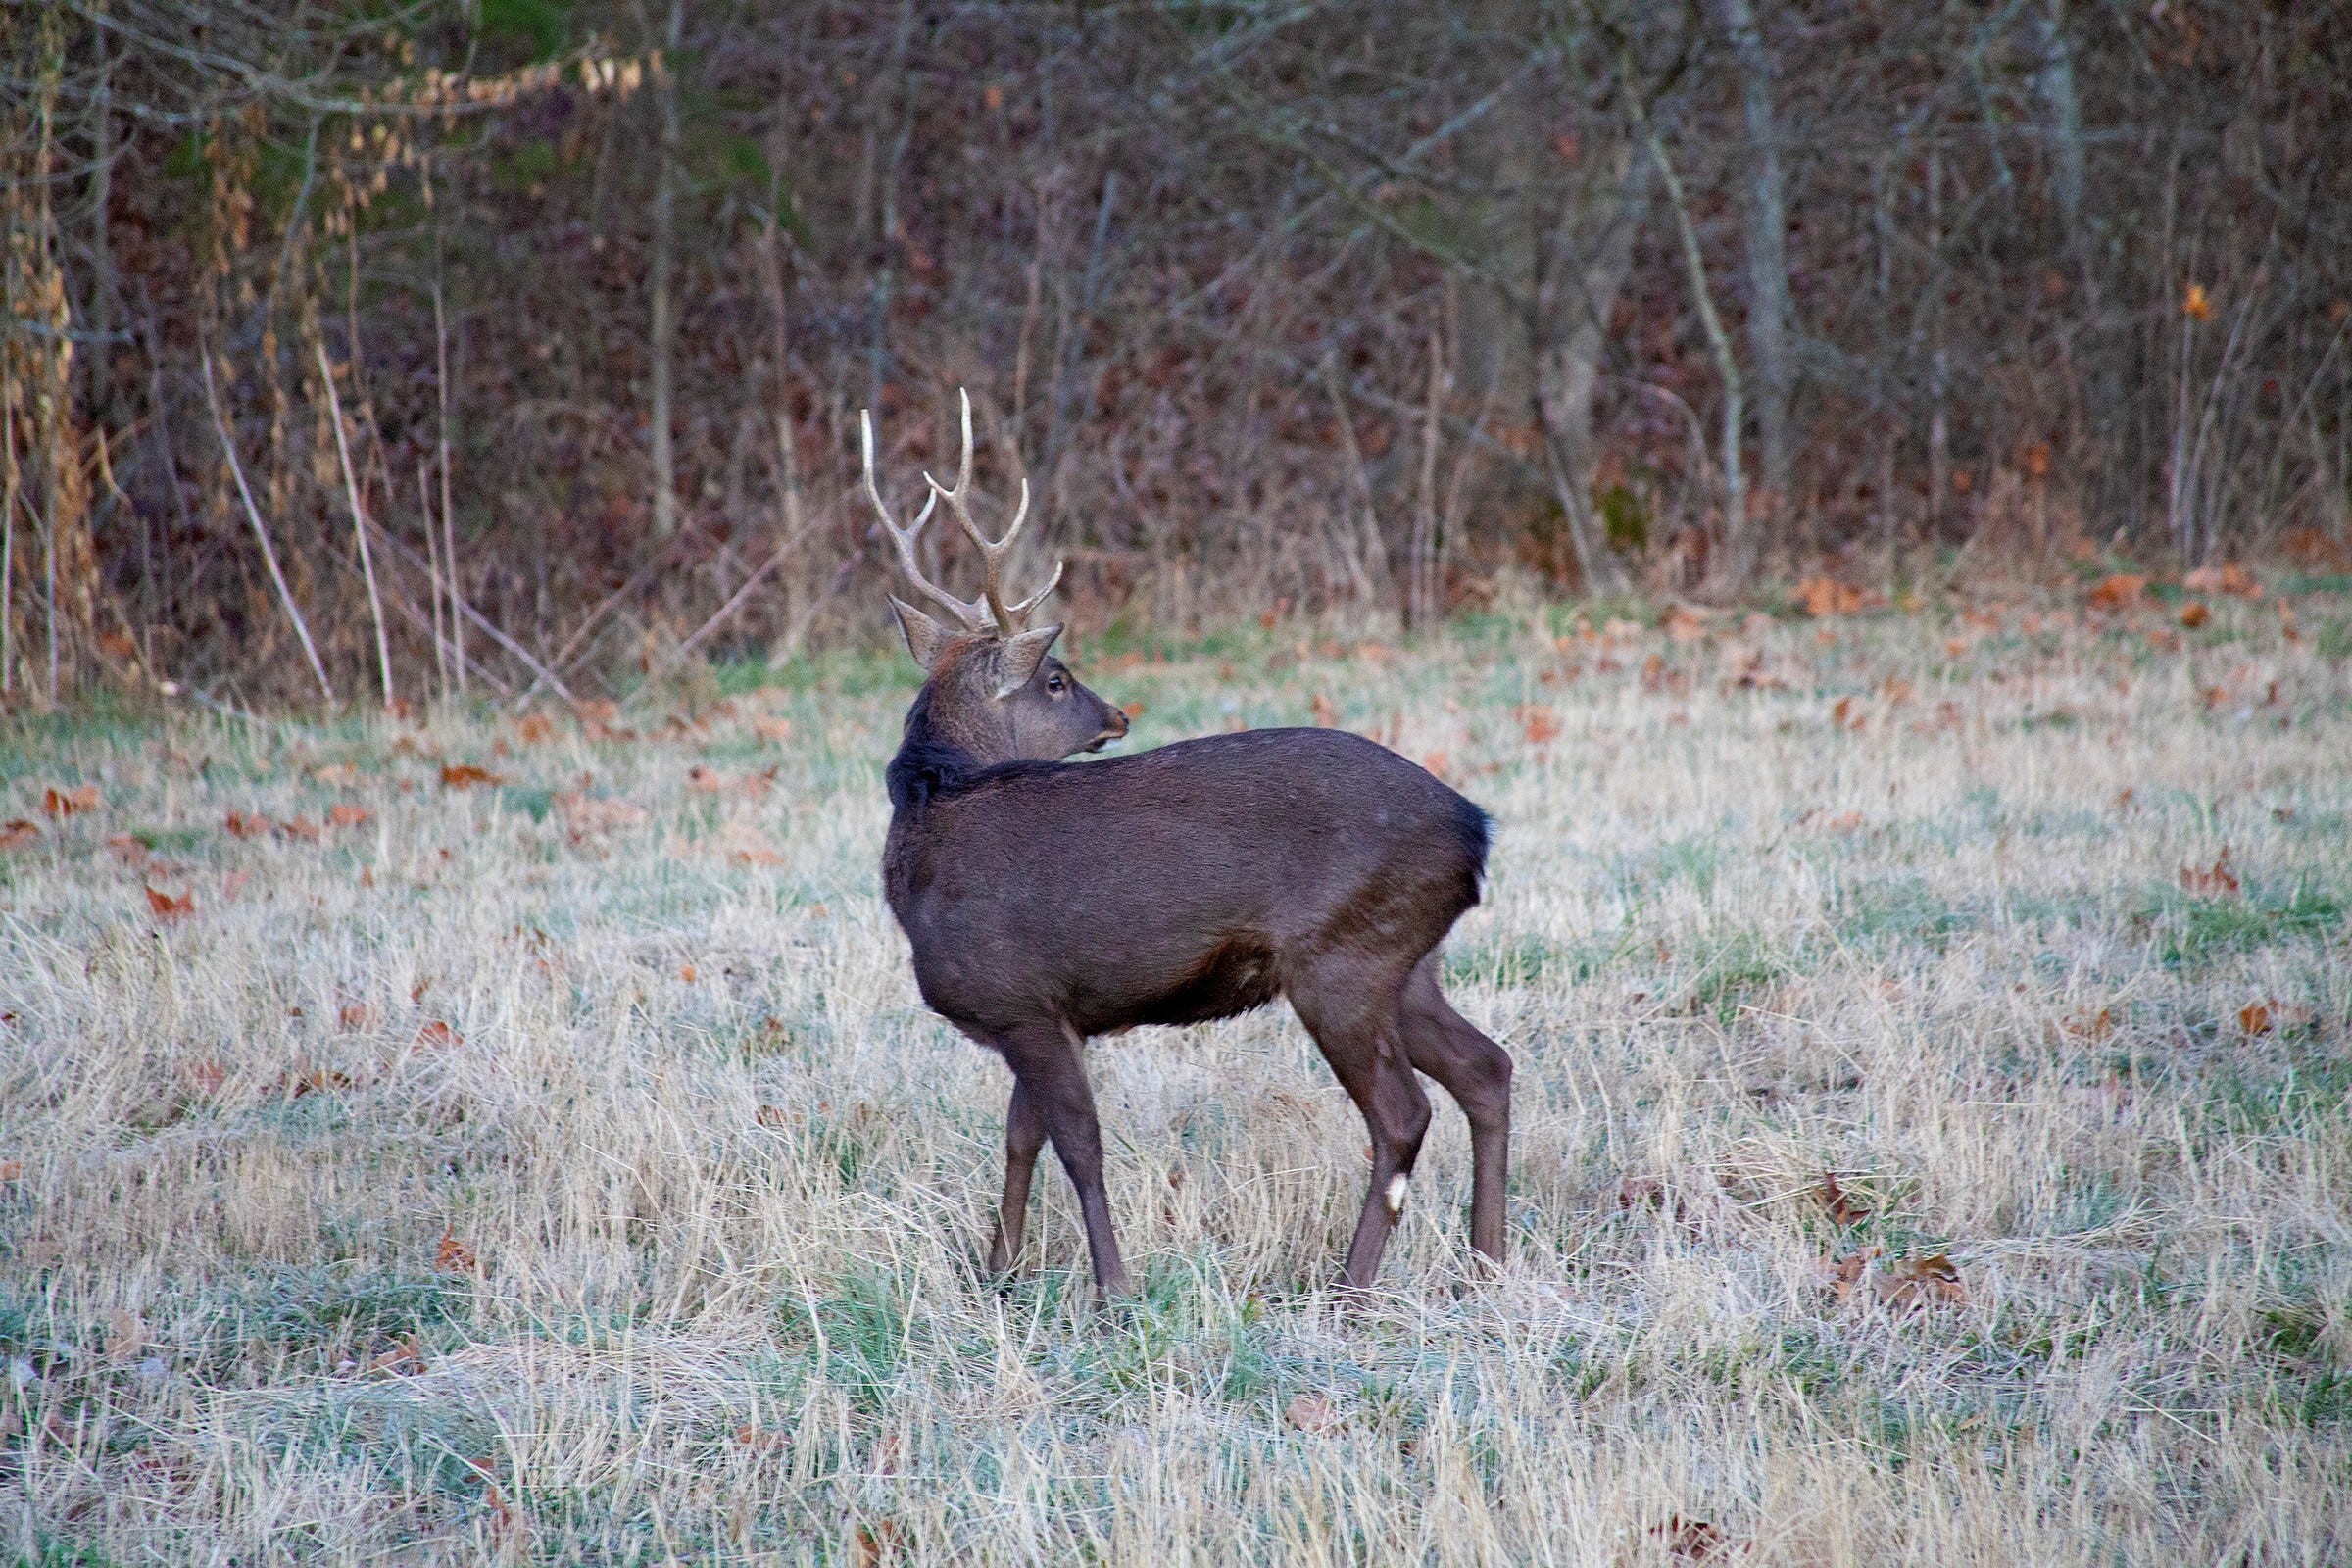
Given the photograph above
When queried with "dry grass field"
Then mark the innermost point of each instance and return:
(497, 1140)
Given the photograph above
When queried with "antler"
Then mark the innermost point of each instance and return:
(971, 616)
(1011, 620)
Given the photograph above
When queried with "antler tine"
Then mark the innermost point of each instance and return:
(1020, 611)
(971, 616)
(1011, 620)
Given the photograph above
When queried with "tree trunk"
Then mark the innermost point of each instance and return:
(1939, 362)
(1765, 215)
(1737, 557)
(1501, 163)
(875, 214)
(664, 323)
(1588, 254)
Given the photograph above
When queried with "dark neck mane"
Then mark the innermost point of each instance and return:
(929, 764)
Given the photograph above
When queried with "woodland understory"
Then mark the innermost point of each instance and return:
(517, 347)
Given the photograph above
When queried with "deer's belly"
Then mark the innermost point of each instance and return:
(990, 986)
(1236, 975)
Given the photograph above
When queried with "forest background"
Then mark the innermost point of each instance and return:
(373, 349)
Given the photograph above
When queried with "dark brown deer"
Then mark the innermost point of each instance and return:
(1051, 901)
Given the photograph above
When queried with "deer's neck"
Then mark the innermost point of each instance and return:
(932, 759)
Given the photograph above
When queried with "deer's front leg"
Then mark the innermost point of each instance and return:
(1024, 1135)
(1045, 1060)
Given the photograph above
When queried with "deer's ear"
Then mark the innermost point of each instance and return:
(1021, 656)
(924, 636)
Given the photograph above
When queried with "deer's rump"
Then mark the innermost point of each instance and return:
(1181, 884)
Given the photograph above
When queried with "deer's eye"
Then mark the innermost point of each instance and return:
(1055, 684)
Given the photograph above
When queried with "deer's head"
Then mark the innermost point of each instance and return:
(995, 689)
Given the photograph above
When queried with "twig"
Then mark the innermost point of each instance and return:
(449, 526)
(432, 567)
(736, 600)
(489, 628)
(8, 531)
(359, 526)
(637, 580)
(253, 514)
(1420, 570)
(1372, 566)
(1719, 342)
(402, 602)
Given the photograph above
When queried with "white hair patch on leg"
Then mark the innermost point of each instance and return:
(1397, 1184)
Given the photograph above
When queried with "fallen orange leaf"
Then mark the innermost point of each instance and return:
(1849, 1271)
(534, 729)
(465, 775)
(2255, 1017)
(1919, 1282)
(1685, 624)
(16, 833)
(1843, 1210)
(345, 815)
(2214, 881)
(1310, 1412)
(2195, 615)
(1824, 597)
(404, 1360)
(2093, 1026)
(2120, 591)
(65, 802)
(454, 1256)
(877, 1538)
(168, 909)
(438, 1035)
(313, 1082)
(1692, 1539)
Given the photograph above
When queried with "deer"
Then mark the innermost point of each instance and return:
(1049, 901)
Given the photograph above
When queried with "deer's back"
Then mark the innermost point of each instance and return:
(1178, 884)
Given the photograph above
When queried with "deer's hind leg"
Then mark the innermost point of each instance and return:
(1476, 1072)
(1352, 1010)
(1024, 1135)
